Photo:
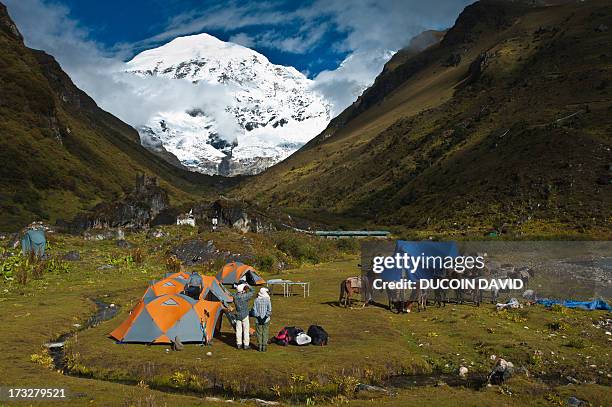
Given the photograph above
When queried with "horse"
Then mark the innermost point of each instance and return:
(350, 286)
(401, 305)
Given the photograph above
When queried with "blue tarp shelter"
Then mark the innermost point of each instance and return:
(33, 241)
(586, 305)
(423, 249)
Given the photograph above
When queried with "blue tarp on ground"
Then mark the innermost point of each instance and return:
(33, 241)
(416, 249)
(587, 305)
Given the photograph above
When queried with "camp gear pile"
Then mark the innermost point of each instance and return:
(296, 336)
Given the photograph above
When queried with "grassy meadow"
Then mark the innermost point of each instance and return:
(367, 345)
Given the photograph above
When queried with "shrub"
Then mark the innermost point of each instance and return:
(137, 255)
(265, 263)
(38, 268)
(22, 274)
(56, 265)
(576, 343)
(120, 260)
(557, 326)
(9, 266)
(348, 245)
(173, 264)
(43, 358)
(301, 250)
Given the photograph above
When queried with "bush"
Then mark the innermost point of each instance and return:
(173, 264)
(137, 255)
(303, 248)
(56, 265)
(576, 343)
(20, 268)
(265, 263)
(347, 245)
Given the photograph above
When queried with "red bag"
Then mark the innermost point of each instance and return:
(282, 337)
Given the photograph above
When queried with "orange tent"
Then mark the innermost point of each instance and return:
(235, 272)
(169, 316)
(164, 312)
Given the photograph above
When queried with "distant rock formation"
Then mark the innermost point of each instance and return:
(135, 211)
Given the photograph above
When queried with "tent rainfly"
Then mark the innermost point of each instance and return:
(236, 272)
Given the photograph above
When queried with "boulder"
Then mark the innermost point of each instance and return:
(124, 244)
(195, 251)
(529, 295)
(72, 255)
(136, 211)
(156, 234)
(238, 215)
(501, 372)
(99, 234)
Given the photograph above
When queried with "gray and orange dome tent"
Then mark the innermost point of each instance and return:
(164, 313)
(236, 272)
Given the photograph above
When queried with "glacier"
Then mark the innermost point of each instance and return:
(275, 109)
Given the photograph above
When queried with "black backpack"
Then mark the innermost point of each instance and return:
(318, 335)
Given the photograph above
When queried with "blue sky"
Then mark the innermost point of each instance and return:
(139, 21)
(309, 35)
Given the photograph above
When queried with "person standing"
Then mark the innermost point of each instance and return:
(262, 311)
(241, 302)
(194, 285)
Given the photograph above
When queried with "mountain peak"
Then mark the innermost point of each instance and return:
(194, 47)
(275, 107)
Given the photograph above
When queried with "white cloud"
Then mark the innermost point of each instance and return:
(343, 85)
(242, 39)
(133, 99)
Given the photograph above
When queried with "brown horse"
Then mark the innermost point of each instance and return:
(348, 287)
(400, 305)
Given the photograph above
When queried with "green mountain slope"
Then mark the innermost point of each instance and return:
(59, 152)
(506, 121)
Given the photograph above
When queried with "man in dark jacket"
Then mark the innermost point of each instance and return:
(241, 302)
(194, 285)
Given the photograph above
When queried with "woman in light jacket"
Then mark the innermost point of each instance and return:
(262, 311)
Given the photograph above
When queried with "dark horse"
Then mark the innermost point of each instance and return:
(400, 304)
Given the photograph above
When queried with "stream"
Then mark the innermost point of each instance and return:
(104, 312)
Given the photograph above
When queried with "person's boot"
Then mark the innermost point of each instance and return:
(239, 347)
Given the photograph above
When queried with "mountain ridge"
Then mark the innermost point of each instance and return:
(405, 152)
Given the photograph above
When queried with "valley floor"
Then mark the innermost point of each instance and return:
(558, 353)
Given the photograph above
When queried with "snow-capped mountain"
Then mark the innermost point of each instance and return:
(257, 114)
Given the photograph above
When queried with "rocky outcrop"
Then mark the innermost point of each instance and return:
(137, 210)
(237, 215)
(7, 25)
(477, 68)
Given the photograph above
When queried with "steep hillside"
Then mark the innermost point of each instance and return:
(506, 121)
(59, 152)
